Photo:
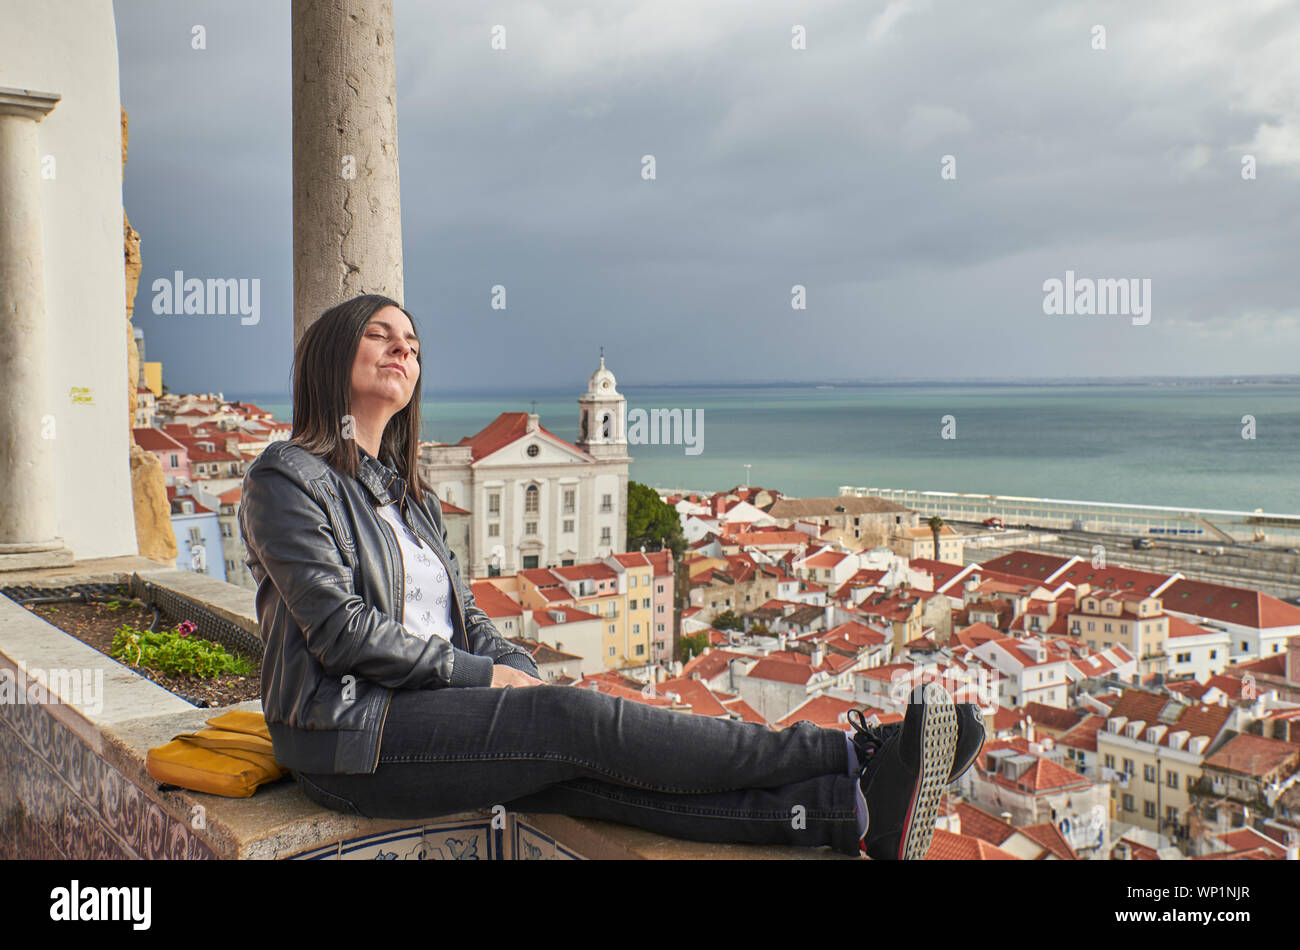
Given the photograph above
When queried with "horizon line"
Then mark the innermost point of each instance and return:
(1227, 378)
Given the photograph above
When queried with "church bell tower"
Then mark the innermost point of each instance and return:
(602, 420)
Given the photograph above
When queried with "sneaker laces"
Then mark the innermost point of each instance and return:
(867, 739)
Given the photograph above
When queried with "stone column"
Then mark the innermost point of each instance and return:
(28, 501)
(347, 219)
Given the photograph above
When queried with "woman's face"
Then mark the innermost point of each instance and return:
(385, 369)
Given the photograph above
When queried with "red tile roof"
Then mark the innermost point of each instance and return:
(1254, 854)
(1053, 717)
(1006, 718)
(542, 652)
(590, 571)
(1137, 704)
(506, 428)
(632, 559)
(946, 846)
(977, 823)
(1084, 735)
(769, 538)
(886, 673)
(976, 634)
(1027, 564)
(1230, 604)
(1272, 665)
(781, 671)
(940, 572)
(155, 440)
(694, 694)
(1114, 579)
(1230, 686)
(1102, 662)
(1043, 776)
(202, 455)
(711, 664)
(199, 509)
(1248, 839)
(1050, 837)
(825, 711)
(1254, 755)
(1200, 720)
(1139, 852)
(862, 578)
(824, 559)
(542, 617)
(746, 712)
(1014, 648)
(857, 634)
(493, 601)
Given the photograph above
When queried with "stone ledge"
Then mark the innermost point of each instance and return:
(231, 602)
(104, 570)
(278, 821)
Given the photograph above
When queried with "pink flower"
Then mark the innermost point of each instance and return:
(186, 627)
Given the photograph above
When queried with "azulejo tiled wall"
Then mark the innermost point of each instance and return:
(61, 800)
(475, 840)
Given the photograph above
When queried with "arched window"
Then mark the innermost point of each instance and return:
(530, 499)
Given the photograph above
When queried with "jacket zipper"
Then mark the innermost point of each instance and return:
(401, 609)
(384, 719)
(399, 587)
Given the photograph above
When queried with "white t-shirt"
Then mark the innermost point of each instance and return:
(427, 611)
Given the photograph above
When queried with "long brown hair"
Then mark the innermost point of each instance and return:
(322, 393)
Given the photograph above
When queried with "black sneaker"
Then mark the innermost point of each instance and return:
(970, 737)
(905, 774)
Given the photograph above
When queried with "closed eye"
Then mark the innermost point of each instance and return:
(415, 350)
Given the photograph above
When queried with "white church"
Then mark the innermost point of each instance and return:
(536, 500)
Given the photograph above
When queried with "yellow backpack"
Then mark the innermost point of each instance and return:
(232, 758)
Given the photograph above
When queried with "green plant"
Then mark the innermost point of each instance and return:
(651, 522)
(693, 644)
(728, 620)
(174, 653)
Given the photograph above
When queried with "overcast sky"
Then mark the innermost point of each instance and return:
(775, 167)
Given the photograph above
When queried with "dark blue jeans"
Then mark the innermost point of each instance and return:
(557, 749)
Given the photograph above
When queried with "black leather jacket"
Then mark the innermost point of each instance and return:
(330, 591)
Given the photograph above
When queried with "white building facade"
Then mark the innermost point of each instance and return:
(536, 500)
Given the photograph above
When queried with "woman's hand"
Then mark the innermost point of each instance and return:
(503, 675)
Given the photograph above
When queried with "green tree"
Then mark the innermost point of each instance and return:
(728, 620)
(651, 522)
(692, 644)
(936, 525)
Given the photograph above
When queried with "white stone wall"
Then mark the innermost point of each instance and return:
(69, 47)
